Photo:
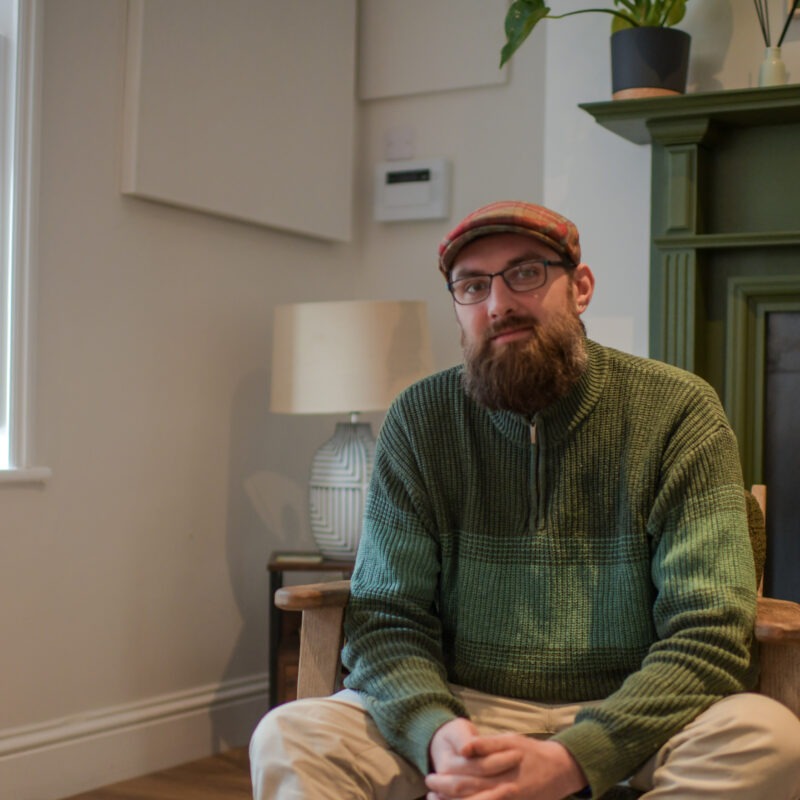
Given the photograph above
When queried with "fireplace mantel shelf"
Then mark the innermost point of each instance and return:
(718, 241)
(633, 119)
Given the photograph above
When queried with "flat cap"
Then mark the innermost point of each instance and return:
(512, 216)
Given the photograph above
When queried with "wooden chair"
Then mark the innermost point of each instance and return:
(777, 629)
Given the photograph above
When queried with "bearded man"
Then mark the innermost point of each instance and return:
(555, 589)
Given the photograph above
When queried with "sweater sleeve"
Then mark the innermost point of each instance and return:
(393, 634)
(704, 612)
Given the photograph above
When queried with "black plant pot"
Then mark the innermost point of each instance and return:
(649, 61)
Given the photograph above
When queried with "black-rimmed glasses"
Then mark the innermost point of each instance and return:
(522, 277)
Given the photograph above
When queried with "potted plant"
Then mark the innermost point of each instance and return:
(648, 55)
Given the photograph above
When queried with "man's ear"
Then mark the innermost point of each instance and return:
(582, 287)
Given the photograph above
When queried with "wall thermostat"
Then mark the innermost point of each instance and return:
(407, 190)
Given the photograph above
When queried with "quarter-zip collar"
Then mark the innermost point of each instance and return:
(566, 414)
(552, 425)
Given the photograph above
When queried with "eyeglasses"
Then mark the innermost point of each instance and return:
(523, 277)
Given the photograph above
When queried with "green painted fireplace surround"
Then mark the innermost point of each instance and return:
(724, 257)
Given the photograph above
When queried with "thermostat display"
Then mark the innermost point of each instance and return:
(408, 176)
(408, 190)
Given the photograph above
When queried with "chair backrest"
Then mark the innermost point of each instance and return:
(756, 500)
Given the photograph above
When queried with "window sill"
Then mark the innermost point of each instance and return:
(25, 475)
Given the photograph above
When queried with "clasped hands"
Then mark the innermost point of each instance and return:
(507, 766)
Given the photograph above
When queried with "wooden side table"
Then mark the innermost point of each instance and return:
(284, 626)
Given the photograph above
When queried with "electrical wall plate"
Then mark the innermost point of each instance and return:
(412, 190)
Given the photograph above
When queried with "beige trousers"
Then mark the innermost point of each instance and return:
(745, 747)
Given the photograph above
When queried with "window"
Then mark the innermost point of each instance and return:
(20, 28)
(7, 73)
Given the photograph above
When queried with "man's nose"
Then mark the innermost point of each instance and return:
(501, 299)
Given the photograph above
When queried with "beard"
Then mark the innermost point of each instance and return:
(528, 375)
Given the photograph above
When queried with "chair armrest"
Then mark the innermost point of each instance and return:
(777, 620)
(778, 634)
(323, 607)
(331, 594)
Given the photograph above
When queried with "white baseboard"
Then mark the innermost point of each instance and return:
(66, 756)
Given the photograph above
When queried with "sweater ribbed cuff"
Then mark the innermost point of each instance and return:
(420, 732)
(599, 758)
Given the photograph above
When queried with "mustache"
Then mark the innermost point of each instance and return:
(509, 324)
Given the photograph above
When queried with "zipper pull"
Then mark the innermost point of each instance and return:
(533, 433)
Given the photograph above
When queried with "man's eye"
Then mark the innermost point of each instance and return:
(528, 271)
(474, 285)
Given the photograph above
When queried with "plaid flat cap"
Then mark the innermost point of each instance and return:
(512, 216)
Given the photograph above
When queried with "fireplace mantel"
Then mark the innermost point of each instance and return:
(632, 119)
(724, 248)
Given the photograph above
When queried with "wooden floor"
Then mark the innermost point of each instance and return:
(221, 777)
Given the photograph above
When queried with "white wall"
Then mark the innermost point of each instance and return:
(132, 585)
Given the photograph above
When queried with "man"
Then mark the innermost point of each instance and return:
(555, 588)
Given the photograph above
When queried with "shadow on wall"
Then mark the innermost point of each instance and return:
(711, 26)
(267, 511)
(281, 504)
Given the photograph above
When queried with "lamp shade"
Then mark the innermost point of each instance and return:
(348, 356)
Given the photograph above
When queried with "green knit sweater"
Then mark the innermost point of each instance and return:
(601, 552)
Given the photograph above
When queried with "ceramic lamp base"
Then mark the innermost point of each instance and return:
(340, 474)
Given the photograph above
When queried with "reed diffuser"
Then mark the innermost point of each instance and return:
(773, 70)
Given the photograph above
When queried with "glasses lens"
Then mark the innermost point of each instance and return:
(527, 276)
(471, 290)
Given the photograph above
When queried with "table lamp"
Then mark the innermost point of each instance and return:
(345, 357)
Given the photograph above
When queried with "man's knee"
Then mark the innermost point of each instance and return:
(282, 756)
(743, 746)
(773, 724)
(327, 748)
(291, 722)
(760, 715)
(755, 730)
(265, 744)
(265, 731)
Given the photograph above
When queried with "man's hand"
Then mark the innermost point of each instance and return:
(507, 766)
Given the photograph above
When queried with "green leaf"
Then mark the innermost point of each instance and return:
(522, 18)
(619, 23)
(628, 16)
(650, 13)
(675, 11)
